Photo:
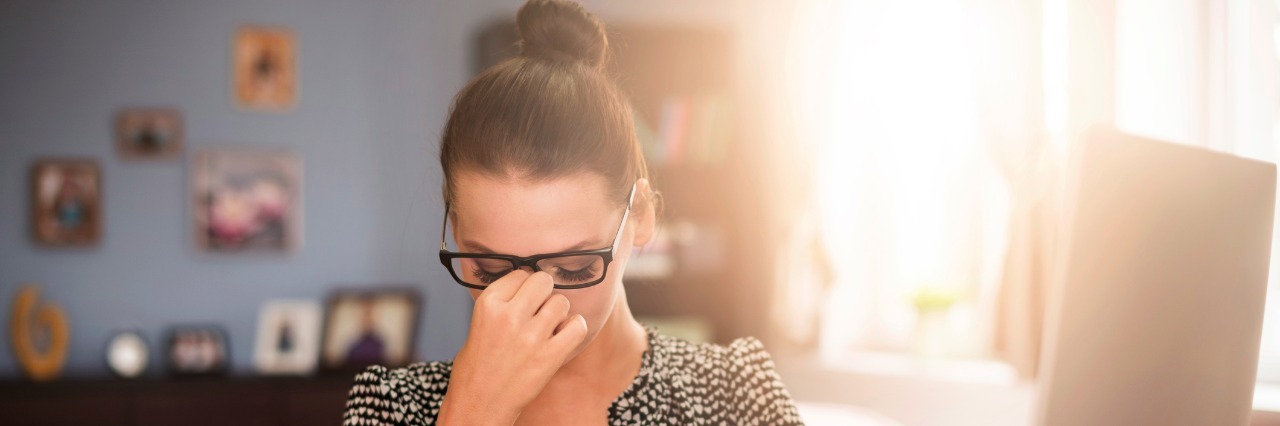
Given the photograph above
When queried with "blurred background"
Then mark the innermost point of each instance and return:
(240, 190)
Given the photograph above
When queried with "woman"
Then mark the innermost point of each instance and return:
(547, 192)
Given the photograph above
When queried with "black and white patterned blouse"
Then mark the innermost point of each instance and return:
(679, 383)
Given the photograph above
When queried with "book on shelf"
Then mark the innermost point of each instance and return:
(690, 130)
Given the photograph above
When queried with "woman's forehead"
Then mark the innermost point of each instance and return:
(581, 190)
(525, 217)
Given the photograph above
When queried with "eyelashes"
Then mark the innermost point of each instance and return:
(579, 275)
(487, 277)
(575, 275)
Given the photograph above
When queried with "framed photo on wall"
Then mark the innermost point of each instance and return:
(66, 202)
(264, 68)
(368, 327)
(247, 200)
(288, 337)
(149, 133)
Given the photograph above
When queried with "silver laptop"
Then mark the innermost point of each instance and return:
(1158, 315)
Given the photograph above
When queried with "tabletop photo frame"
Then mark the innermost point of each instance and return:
(365, 327)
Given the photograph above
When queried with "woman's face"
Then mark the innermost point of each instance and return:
(524, 218)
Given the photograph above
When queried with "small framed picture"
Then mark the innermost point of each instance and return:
(197, 350)
(149, 133)
(288, 337)
(368, 327)
(66, 202)
(247, 200)
(264, 68)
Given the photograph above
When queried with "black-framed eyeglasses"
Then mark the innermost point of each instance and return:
(569, 270)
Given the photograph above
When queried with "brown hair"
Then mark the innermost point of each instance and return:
(550, 112)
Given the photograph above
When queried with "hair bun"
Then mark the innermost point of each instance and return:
(561, 30)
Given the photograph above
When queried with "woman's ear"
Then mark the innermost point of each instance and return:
(645, 213)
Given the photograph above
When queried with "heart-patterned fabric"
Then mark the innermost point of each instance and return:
(679, 383)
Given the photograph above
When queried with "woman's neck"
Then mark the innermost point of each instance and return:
(613, 356)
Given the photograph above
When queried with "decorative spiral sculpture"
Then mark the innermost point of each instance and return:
(29, 319)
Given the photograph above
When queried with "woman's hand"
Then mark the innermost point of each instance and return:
(520, 335)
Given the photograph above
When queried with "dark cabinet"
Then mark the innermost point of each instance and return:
(238, 401)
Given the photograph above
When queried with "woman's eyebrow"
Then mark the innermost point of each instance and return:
(477, 247)
(584, 245)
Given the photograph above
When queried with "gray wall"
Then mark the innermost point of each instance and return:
(375, 81)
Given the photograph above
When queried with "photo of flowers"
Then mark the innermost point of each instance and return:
(247, 200)
(66, 202)
(149, 133)
(264, 68)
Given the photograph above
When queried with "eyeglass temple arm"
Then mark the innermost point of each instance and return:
(444, 224)
(617, 235)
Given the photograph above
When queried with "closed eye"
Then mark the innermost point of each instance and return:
(576, 275)
(486, 276)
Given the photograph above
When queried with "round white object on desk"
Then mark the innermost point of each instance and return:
(127, 354)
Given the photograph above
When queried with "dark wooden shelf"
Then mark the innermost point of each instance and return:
(206, 401)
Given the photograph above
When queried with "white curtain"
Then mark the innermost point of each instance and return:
(936, 131)
(918, 117)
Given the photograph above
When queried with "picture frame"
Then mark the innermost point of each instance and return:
(149, 133)
(197, 350)
(288, 341)
(264, 68)
(66, 202)
(365, 327)
(247, 200)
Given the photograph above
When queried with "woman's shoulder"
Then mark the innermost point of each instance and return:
(425, 373)
(737, 380)
(741, 353)
(406, 395)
